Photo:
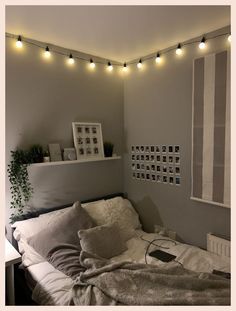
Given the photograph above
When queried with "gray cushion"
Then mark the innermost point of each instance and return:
(104, 241)
(63, 230)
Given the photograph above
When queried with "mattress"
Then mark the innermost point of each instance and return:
(52, 287)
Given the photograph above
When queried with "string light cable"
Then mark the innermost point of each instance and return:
(45, 46)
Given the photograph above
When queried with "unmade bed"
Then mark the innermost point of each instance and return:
(106, 261)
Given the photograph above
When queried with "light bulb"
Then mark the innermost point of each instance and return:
(109, 66)
(19, 43)
(47, 53)
(125, 68)
(229, 38)
(178, 50)
(139, 64)
(158, 58)
(71, 60)
(202, 44)
(92, 65)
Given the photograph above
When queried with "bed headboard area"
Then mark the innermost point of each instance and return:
(43, 210)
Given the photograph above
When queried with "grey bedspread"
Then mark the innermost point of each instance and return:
(128, 283)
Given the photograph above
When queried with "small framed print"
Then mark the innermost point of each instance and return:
(147, 167)
(133, 166)
(142, 148)
(147, 149)
(142, 157)
(177, 170)
(164, 159)
(137, 148)
(55, 152)
(148, 176)
(177, 181)
(158, 150)
(133, 157)
(164, 169)
(158, 178)
(137, 175)
(152, 158)
(142, 166)
(153, 167)
(170, 159)
(69, 154)
(163, 149)
(134, 175)
(147, 157)
(153, 177)
(137, 157)
(177, 149)
(132, 149)
(143, 176)
(88, 140)
(158, 168)
(138, 166)
(158, 158)
(171, 170)
(177, 160)
(171, 180)
(170, 149)
(152, 149)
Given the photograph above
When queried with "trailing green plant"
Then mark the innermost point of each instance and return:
(21, 188)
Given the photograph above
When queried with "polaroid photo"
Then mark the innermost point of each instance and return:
(147, 157)
(143, 176)
(94, 130)
(137, 148)
(148, 177)
(88, 150)
(137, 175)
(153, 177)
(158, 168)
(96, 151)
(170, 149)
(138, 166)
(171, 170)
(137, 157)
(134, 175)
(164, 169)
(170, 159)
(87, 140)
(152, 158)
(95, 140)
(177, 160)
(147, 149)
(133, 157)
(163, 149)
(164, 179)
(152, 149)
(164, 159)
(158, 178)
(81, 151)
(177, 170)
(142, 166)
(177, 149)
(142, 157)
(158, 150)
(147, 167)
(87, 130)
(132, 149)
(142, 148)
(158, 158)
(79, 129)
(133, 166)
(171, 180)
(153, 167)
(177, 181)
(80, 140)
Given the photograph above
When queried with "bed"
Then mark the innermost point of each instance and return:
(96, 253)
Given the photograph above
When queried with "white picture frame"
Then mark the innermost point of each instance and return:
(88, 140)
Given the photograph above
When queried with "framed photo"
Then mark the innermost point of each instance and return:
(55, 152)
(69, 154)
(88, 140)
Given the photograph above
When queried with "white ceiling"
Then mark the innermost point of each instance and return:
(120, 33)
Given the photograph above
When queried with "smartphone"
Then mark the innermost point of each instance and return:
(161, 255)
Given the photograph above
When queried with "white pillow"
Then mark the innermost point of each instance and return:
(117, 210)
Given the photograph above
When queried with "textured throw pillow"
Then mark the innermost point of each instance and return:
(104, 241)
(64, 230)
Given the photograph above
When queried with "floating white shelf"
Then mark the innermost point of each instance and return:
(74, 161)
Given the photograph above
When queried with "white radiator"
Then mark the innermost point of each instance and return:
(218, 245)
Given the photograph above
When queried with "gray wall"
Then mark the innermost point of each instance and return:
(158, 110)
(43, 98)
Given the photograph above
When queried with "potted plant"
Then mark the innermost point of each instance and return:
(108, 149)
(21, 189)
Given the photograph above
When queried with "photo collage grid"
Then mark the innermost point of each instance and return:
(87, 140)
(156, 163)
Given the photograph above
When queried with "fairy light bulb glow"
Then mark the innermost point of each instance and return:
(71, 60)
(125, 68)
(109, 66)
(202, 44)
(139, 64)
(178, 50)
(92, 65)
(158, 58)
(19, 43)
(47, 53)
(229, 38)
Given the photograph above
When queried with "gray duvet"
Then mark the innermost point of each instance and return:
(103, 282)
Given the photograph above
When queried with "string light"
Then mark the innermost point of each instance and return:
(125, 68)
(178, 50)
(47, 53)
(109, 66)
(229, 38)
(19, 43)
(92, 65)
(202, 44)
(158, 58)
(71, 60)
(139, 64)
